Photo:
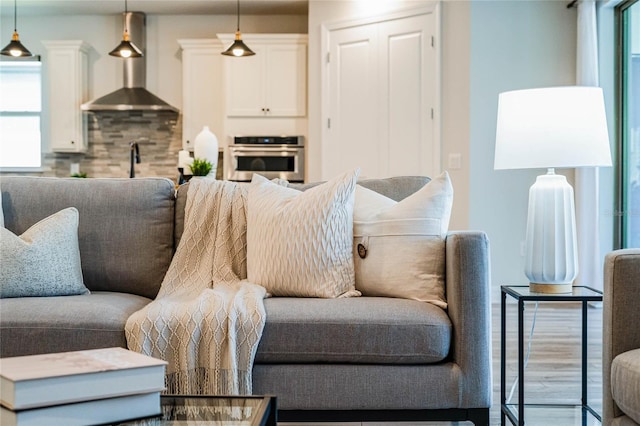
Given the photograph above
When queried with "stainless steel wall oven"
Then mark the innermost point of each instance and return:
(271, 156)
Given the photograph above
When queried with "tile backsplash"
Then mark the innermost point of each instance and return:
(108, 154)
(110, 133)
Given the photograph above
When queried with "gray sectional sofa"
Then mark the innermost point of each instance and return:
(354, 359)
(621, 339)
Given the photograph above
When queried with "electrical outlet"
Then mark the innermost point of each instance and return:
(455, 161)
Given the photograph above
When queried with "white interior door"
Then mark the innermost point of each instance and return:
(382, 88)
(406, 63)
(353, 72)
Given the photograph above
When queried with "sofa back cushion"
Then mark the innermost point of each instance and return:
(396, 188)
(125, 229)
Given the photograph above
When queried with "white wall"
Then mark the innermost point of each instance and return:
(514, 45)
(455, 82)
(487, 47)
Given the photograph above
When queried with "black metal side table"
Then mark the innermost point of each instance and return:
(515, 412)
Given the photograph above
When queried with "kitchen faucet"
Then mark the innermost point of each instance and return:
(134, 157)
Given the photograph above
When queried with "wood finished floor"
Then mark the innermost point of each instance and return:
(553, 370)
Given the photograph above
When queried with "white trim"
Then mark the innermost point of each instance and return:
(250, 38)
(24, 169)
(610, 3)
(431, 7)
(200, 43)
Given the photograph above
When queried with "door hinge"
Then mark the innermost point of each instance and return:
(328, 57)
(433, 41)
(328, 123)
(432, 113)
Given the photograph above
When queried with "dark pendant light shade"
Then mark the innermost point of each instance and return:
(126, 49)
(238, 48)
(15, 48)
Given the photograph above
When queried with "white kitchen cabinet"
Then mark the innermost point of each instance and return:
(273, 83)
(67, 76)
(202, 88)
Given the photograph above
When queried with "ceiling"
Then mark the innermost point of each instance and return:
(153, 7)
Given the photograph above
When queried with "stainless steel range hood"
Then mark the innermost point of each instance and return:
(133, 96)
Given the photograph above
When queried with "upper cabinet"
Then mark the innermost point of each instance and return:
(67, 86)
(202, 88)
(273, 82)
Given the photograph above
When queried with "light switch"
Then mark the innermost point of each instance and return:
(455, 161)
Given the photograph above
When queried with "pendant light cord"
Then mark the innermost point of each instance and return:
(238, 9)
(15, 16)
(125, 17)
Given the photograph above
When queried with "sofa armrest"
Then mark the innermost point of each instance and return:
(468, 288)
(620, 316)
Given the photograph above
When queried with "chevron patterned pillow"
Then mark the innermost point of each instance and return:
(300, 243)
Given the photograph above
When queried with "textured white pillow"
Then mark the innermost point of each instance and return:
(398, 247)
(300, 243)
(44, 261)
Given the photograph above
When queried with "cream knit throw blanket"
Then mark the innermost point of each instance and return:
(207, 320)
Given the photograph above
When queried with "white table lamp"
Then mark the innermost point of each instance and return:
(561, 127)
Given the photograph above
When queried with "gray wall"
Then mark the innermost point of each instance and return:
(514, 45)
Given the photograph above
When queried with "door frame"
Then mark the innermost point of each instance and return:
(431, 7)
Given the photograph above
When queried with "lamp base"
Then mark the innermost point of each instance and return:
(551, 251)
(550, 288)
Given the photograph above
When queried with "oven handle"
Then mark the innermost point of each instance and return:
(265, 152)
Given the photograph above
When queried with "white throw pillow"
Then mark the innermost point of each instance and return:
(44, 261)
(300, 243)
(399, 247)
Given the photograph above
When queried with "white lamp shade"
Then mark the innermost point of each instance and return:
(552, 127)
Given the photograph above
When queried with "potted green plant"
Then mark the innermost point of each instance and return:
(200, 167)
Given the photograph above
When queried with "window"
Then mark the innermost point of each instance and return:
(629, 126)
(20, 110)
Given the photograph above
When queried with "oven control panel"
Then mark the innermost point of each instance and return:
(269, 140)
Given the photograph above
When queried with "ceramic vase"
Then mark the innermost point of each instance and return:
(205, 146)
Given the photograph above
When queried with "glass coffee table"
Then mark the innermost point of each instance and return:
(183, 410)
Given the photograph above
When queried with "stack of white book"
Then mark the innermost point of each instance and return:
(79, 388)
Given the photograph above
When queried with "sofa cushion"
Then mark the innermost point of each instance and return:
(354, 330)
(44, 261)
(33, 325)
(125, 230)
(299, 243)
(625, 383)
